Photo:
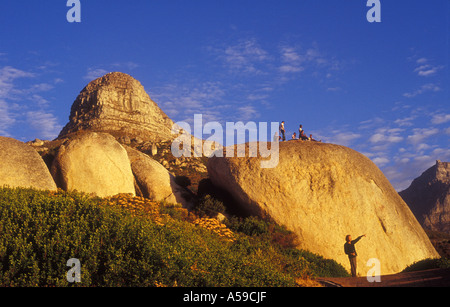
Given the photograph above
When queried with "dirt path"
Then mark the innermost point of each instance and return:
(428, 278)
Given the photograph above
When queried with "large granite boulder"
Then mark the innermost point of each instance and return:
(118, 104)
(323, 192)
(93, 163)
(154, 181)
(22, 166)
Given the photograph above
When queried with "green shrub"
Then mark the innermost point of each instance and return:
(282, 245)
(209, 206)
(428, 264)
(250, 226)
(320, 266)
(42, 230)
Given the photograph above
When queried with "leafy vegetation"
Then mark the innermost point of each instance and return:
(130, 241)
(428, 264)
(209, 206)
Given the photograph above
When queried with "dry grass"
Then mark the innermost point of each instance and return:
(217, 227)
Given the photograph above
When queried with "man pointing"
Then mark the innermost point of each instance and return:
(349, 248)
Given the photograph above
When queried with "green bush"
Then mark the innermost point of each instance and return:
(281, 242)
(40, 231)
(209, 206)
(428, 264)
(251, 226)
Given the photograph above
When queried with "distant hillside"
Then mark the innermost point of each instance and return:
(429, 197)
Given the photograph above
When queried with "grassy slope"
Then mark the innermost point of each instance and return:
(124, 241)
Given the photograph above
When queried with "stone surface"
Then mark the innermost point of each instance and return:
(21, 166)
(118, 104)
(153, 179)
(93, 163)
(428, 196)
(323, 192)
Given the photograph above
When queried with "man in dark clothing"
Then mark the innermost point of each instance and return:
(349, 248)
(283, 131)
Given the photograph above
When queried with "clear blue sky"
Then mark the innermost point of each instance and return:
(379, 88)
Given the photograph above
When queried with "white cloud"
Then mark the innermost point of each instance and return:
(401, 147)
(7, 76)
(430, 87)
(294, 59)
(286, 68)
(94, 73)
(376, 138)
(443, 153)
(386, 136)
(381, 138)
(244, 56)
(291, 60)
(440, 119)
(380, 161)
(410, 165)
(188, 99)
(39, 100)
(6, 118)
(419, 135)
(334, 89)
(343, 138)
(41, 87)
(127, 65)
(247, 113)
(18, 104)
(405, 122)
(45, 124)
(8, 91)
(254, 97)
(424, 69)
(422, 61)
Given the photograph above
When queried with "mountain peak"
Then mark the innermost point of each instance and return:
(428, 196)
(118, 104)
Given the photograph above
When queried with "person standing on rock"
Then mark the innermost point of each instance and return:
(283, 131)
(349, 248)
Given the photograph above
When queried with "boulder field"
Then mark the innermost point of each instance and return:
(321, 192)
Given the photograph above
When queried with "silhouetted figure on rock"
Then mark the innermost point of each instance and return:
(283, 131)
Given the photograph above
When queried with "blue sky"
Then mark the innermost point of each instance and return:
(379, 88)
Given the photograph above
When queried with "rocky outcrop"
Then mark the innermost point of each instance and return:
(322, 192)
(428, 196)
(118, 104)
(93, 163)
(154, 181)
(21, 166)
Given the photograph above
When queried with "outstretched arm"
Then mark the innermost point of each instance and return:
(357, 239)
